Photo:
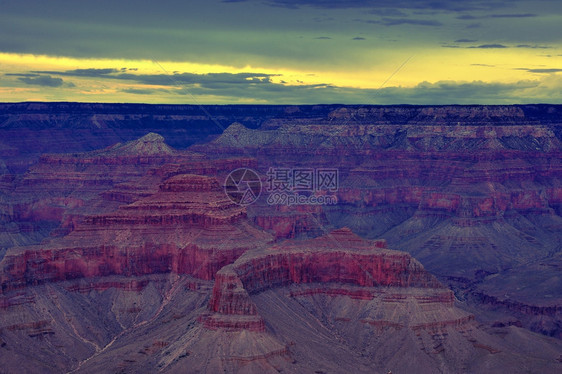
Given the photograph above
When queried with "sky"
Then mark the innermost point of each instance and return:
(282, 51)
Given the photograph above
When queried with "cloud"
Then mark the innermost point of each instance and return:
(144, 91)
(533, 46)
(475, 25)
(494, 46)
(323, 38)
(489, 46)
(92, 73)
(481, 46)
(524, 15)
(402, 21)
(409, 21)
(443, 92)
(541, 71)
(210, 80)
(39, 80)
(358, 38)
(453, 92)
(21, 75)
(230, 33)
(259, 87)
(466, 17)
(390, 5)
(236, 34)
(387, 12)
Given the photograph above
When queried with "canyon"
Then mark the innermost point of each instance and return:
(121, 252)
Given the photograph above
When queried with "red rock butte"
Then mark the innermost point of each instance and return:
(331, 263)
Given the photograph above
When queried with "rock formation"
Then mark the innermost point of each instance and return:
(121, 252)
(469, 191)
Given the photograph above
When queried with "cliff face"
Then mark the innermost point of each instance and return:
(288, 222)
(57, 194)
(343, 292)
(469, 191)
(188, 227)
(314, 262)
(357, 268)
